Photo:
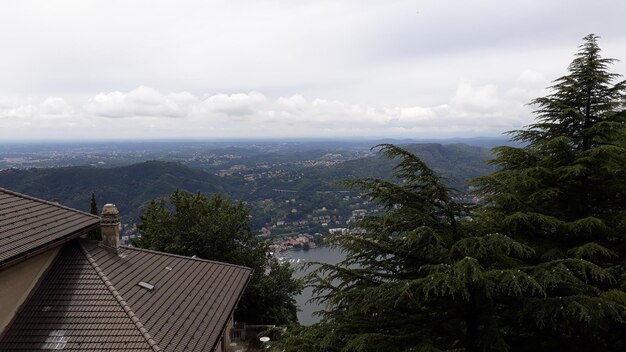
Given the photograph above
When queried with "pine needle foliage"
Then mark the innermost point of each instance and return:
(416, 279)
(564, 195)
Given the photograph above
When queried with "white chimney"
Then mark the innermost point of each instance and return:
(110, 227)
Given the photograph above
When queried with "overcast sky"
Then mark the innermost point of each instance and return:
(292, 68)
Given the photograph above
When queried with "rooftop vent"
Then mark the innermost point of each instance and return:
(146, 285)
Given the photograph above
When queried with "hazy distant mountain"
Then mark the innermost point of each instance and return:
(458, 163)
(131, 187)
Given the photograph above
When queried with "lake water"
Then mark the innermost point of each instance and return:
(321, 254)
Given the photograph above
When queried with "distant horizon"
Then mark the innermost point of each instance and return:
(250, 139)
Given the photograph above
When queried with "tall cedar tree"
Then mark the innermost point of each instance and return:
(415, 279)
(93, 209)
(217, 229)
(564, 194)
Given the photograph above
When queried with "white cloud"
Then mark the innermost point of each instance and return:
(55, 106)
(21, 111)
(528, 85)
(412, 116)
(293, 104)
(236, 106)
(531, 79)
(25, 109)
(476, 99)
(470, 110)
(141, 101)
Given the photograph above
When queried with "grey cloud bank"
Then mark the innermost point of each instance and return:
(202, 69)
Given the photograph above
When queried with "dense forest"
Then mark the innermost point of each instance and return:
(129, 187)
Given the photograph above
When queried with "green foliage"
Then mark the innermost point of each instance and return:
(130, 188)
(93, 209)
(417, 279)
(217, 229)
(457, 163)
(564, 195)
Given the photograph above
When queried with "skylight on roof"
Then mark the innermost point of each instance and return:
(55, 341)
(146, 285)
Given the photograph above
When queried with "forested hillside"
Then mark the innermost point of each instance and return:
(131, 187)
(457, 163)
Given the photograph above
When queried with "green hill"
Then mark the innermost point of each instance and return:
(458, 163)
(129, 187)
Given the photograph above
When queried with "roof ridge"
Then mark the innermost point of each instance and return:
(151, 342)
(17, 194)
(183, 256)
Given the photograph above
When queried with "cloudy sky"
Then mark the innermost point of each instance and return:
(287, 68)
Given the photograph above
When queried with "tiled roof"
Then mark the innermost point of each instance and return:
(186, 309)
(73, 310)
(191, 301)
(29, 225)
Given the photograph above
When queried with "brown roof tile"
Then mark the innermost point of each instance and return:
(73, 309)
(92, 296)
(29, 225)
(191, 301)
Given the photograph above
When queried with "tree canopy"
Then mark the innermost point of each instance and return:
(216, 228)
(93, 209)
(538, 265)
(415, 278)
(564, 194)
